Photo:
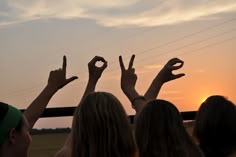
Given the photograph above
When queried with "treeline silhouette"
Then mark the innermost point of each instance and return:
(49, 131)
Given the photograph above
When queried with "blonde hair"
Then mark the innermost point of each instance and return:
(101, 128)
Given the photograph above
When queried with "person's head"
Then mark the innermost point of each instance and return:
(14, 137)
(215, 126)
(101, 128)
(160, 132)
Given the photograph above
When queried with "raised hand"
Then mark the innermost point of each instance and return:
(128, 76)
(94, 74)
(94, 71)
(128, 81)
(57, 78)
(166, 74)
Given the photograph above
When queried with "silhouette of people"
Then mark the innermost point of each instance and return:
(159, 129)
(100, 125)
(215, 127)
(129, 78)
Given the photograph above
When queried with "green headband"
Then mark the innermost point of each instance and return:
(11, 120)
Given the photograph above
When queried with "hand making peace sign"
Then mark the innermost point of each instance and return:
(128, 76)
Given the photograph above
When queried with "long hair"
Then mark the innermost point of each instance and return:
(101, 128)
(215, 126)
(160, 132)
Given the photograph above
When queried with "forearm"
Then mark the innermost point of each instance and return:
(37, 107)
(138, 104)
(91, 85)
(154, 89)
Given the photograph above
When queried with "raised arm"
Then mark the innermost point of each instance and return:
(165, 75)
(94, 74)
(128, 81)
(57, 80)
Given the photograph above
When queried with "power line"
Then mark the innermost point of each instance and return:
(191, 44)
(181, 47)
(156, 47)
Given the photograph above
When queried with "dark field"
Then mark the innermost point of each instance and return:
(46, 145)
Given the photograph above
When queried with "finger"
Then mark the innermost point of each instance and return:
(174, 61)
(104, 65)
(122, 67)
(100, 59)
(97, 58)
(135, 77)
(179, 75)
(132, 70)
(64, 64)
(71, 79)
(131, 62)
(177, 66)
(51, 72)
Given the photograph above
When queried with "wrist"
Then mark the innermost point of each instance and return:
(130, 94)
(136, 99)
(51, 88)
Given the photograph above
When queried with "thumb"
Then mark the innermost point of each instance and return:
(71, 79)
(179, 75)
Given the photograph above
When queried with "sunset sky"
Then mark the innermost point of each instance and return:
(35, 34)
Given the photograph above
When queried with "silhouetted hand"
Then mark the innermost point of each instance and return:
(57, 78)
(163, 76)
(128, 77)
(166, 74)
(94, 71)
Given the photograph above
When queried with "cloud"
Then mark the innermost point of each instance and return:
(153, 66)
(200, 71)
(116, 13)
(167, 92)
(176, 98)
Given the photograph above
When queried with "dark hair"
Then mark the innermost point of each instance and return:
(101, 128)
(160, 132)
(215, 126)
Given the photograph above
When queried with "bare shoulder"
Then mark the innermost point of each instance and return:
(66, 150)
(63, 152)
